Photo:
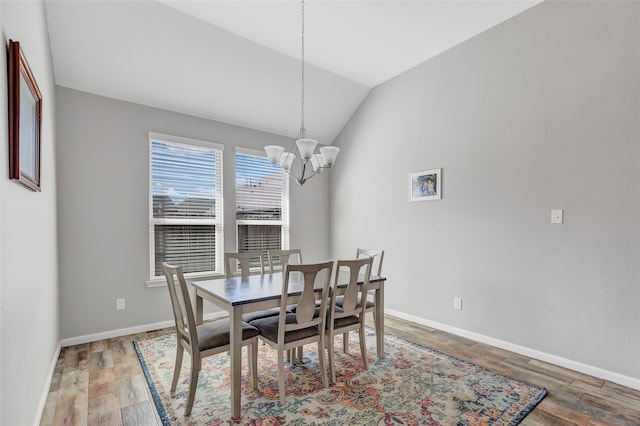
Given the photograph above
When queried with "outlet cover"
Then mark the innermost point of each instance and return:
(457, 303)
(556, 217)
(120, 304)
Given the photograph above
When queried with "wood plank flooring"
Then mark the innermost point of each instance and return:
(101, 383)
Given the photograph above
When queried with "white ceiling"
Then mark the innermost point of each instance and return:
(239, 61)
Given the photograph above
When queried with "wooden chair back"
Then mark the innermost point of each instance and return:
(279, 259)
(306, 307)
(182, 308)
(243, 260)
(378, 257)
(352, 303)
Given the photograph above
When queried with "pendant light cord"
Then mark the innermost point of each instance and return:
(302, 129)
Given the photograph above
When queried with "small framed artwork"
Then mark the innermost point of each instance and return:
(25, 118)
(424, 186)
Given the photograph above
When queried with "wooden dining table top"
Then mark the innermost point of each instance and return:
(256, 288)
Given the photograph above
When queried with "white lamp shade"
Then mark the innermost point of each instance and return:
(317, 161)
(287, 160)
(330, 153)
(274, 153)
(306, 148)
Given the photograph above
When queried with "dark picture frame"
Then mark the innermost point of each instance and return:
(25, 120)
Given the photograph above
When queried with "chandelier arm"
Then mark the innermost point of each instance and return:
(300, 181)
(303, 169)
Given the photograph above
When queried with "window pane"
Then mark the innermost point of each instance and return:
(259, 188)
(190, 246)
(259, 237)
(184, 180)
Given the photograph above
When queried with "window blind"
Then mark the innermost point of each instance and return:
(262, 203)
(186, 205)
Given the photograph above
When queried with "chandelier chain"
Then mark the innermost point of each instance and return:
(302, 129)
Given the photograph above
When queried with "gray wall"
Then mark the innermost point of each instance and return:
(28, 253)
(103, 175)
(541, 112)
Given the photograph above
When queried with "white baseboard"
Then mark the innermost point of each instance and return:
(611, 376)
(45, 394)
(130, 330)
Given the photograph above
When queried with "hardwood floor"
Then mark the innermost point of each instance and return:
(101, 383)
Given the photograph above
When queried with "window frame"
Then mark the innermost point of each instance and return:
(284, 215)
(218, 221)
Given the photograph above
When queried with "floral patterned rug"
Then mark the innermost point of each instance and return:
(412, 385)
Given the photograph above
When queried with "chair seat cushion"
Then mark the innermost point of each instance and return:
(344, 321)
(368, 305)
(216, 333)
(252, 316)
(268, 328)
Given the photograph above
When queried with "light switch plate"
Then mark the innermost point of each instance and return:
(457, 303)
(556, 216)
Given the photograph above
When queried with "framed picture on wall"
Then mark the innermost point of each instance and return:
(25, 118)
(426, 185)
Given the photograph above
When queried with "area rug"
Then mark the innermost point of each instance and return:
(412, 385)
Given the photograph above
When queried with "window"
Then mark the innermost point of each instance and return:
(186, 226)
(262, 203)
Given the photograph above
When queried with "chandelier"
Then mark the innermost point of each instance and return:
(311, 163)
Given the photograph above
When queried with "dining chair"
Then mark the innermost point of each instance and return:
(350, 315)
(203, 340)
(279, 259)
(246, 261)
(376, 268)
(307, 325)
(250, 263)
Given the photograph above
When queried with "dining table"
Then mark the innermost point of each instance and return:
(239, 296)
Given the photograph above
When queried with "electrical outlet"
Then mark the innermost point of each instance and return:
(457, 303)
(556, 216)
(119, 304)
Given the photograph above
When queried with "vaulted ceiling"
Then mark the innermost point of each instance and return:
(239, 61)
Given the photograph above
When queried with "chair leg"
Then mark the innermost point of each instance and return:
(323, 369)
(375, 321)
(289, 356)
(193, 383)
(281, 376)
(300, 354)
(177, 367)
(363, 346)
(332, 369)
(345, 342)
(252, 354)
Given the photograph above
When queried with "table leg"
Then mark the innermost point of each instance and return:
(379, 302)
(235, 350)
(199, 309)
